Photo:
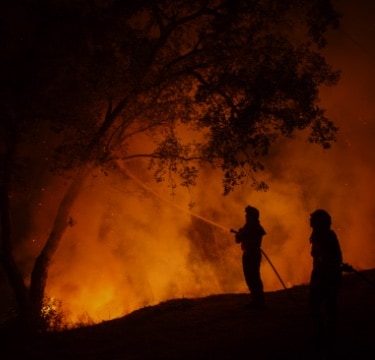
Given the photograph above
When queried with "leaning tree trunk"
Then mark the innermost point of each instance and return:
(39, 273)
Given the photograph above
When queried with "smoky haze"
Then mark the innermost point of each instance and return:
(133, 244)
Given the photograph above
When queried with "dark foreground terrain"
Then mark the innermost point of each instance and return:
(215, 327)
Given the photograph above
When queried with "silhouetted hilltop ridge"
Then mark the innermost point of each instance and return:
(216, 327)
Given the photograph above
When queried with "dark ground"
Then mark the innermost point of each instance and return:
(215, 327)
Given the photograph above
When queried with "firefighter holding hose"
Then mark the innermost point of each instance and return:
(250, 237)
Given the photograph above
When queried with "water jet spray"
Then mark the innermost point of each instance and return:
(183, 210)
(140, 183)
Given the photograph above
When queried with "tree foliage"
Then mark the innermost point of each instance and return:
(238, 74)
(241, 72)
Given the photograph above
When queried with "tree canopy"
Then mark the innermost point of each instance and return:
(243, 73)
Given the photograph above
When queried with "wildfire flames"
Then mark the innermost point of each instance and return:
(133, 244)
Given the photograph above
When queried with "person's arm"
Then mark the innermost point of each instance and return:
(239, 236)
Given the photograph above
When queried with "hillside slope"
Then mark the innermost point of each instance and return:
(216, 327)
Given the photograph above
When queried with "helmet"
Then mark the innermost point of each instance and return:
(252, 212)
(320, 218)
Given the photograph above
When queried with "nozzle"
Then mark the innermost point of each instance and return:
(346, 267)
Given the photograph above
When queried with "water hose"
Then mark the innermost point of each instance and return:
(345, 267)
(269, 261)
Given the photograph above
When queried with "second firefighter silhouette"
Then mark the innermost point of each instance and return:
(250, 237)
